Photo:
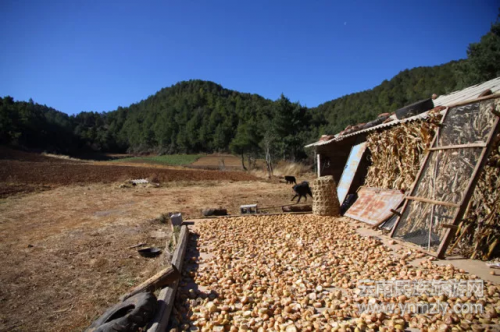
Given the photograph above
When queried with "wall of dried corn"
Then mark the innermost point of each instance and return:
(397, 154)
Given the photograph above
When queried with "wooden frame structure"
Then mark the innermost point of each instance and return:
(462, 206)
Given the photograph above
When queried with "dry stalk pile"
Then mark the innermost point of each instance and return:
(397, 153)
(479, 233)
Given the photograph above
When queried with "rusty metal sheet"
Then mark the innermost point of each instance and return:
(374, 204)
(357, 152)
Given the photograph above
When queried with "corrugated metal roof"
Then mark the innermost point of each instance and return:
(444, 100)
(383, 125)
(469, 93)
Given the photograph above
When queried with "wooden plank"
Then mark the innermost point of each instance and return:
(161, 279)
(180, 251)
(448, 236)
(452, 227)
(461, 146)
(297, 208)
(431, 201)
(166, 298)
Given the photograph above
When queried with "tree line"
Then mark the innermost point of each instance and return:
(203, 117)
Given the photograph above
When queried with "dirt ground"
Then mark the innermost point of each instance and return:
(214, 160)
(22, 172)
(231, 162)
(65, 253)
(67, 228)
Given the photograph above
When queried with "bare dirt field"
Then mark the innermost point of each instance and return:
(214, 160)
(28, 172)
(65, 253)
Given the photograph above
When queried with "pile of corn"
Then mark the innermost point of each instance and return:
(397, 153)
(301, 273)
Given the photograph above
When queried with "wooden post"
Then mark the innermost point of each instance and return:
(431, 201)
(318, 156)
(166, 298)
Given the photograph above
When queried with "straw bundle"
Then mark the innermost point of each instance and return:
(325, 200)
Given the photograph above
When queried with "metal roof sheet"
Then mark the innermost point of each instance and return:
(383, 125)
(466, 94)
(469, 93)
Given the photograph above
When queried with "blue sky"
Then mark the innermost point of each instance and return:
(97, 55)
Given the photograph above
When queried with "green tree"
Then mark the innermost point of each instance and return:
(483, 62)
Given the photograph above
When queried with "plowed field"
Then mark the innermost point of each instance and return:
(27, 172)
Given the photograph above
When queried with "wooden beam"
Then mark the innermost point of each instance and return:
(161, 279)
(460, 146)
(166, 298)
(431, 201)
(297, 208)
(180, 251)
(396, 213)
(453, 227)
(256, 214)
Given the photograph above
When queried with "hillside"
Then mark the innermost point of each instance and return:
(405, 88)
(203, 117)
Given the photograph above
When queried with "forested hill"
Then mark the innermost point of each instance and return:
(200, 116)
(403, 89)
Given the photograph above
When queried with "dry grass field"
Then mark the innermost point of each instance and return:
(66, 228)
